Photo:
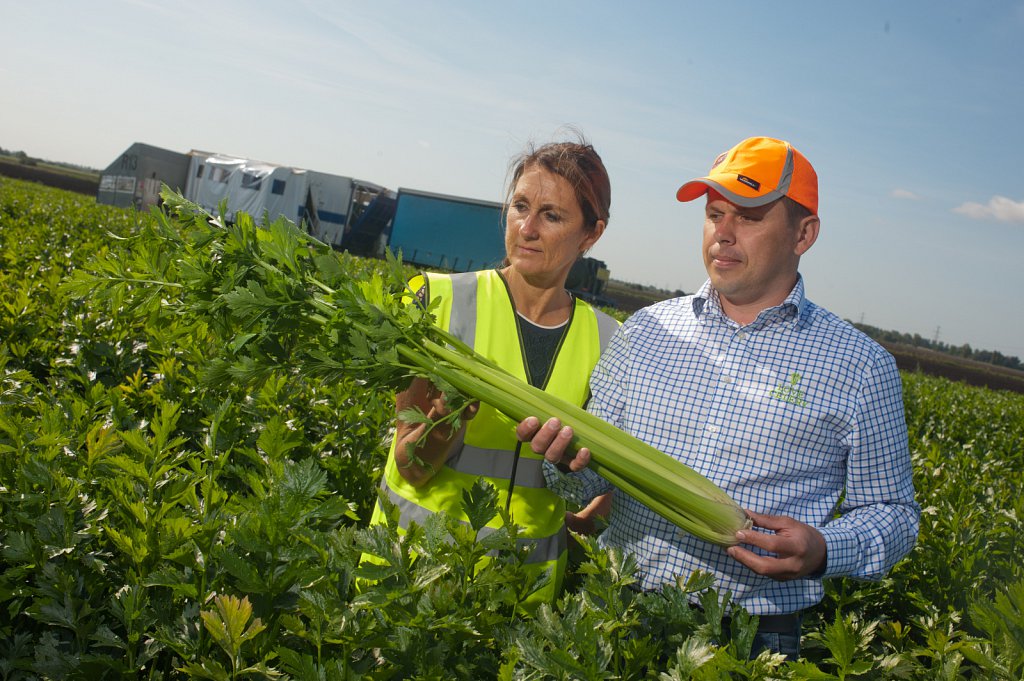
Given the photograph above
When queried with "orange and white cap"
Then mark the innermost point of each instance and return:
(756, 172)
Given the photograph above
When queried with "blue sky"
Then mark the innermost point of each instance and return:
(910, 112)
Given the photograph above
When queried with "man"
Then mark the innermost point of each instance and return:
(789, 409)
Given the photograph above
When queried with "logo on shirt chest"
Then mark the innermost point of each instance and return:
(790, 392)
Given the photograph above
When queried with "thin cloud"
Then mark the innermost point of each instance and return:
(998, 208)
(904, 194)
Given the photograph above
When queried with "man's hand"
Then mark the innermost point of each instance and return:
(799, 549)
(552, 440)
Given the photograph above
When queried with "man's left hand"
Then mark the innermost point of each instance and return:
(798, 549)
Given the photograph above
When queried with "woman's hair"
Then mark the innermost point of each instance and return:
(581, 167)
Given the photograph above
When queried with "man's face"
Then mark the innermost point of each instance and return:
(752, 254)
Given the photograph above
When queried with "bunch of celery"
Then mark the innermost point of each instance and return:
(283, 302)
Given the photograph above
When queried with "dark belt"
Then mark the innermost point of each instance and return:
(778, 624)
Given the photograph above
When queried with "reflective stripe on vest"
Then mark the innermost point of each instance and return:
(463, 316)
(545, 549)
(606, 328)
(498, 463)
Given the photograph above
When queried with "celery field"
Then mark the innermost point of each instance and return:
(168, 514)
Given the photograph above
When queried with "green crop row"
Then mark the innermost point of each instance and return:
(154, 526)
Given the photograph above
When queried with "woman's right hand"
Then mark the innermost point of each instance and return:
(418, 461)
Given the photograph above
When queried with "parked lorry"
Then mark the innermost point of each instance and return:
(326, 204)
(452, 233)
(135, 177)
(588, 279)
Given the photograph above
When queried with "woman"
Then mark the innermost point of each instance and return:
(522, 317)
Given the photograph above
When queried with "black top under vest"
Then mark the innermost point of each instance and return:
(539, 344)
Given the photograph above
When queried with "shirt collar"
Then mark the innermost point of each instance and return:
(706, 305)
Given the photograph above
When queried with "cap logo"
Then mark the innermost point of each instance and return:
(750, 182)
(721, 157)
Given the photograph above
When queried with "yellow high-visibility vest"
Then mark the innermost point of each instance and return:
(477, 308)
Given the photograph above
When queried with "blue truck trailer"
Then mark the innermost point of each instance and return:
(447, 232)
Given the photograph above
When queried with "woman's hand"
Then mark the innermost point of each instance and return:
(418, 462)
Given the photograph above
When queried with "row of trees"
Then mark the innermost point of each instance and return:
(22, 157)
(966, 351)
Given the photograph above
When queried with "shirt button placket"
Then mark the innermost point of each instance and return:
(730, 367)
(723, 397)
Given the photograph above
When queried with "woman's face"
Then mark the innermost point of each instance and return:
(544, 232)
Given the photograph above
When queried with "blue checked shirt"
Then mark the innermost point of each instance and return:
(795, 414)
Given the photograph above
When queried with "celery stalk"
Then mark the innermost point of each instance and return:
(664, 484)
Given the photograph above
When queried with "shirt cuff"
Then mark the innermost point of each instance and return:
(565, 485)
(842, 552)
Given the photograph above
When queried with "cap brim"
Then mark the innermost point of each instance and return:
(697, 188)
(692, 190)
